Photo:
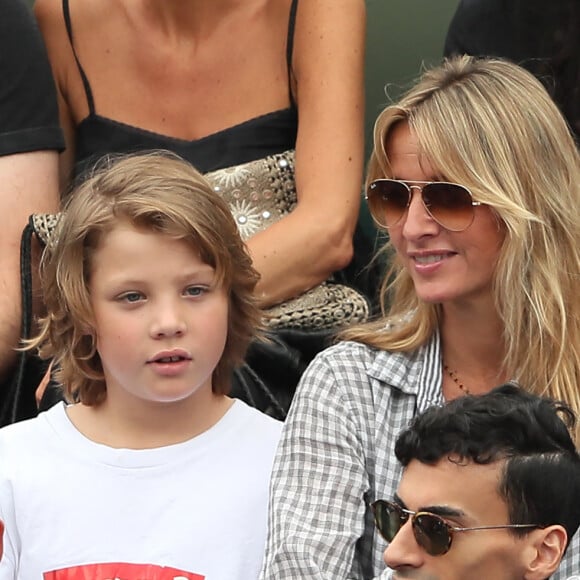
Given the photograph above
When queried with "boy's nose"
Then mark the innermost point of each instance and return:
(168, 321)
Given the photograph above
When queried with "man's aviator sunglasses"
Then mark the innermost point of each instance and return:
(449, 204)
(431, 531)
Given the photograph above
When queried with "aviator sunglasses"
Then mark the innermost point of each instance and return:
(449, 204)
(431, 531)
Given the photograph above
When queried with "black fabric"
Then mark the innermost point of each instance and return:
(518, 30)
(253, 139)
(266, 135)
(28, 107)
(290, 50)
(18, 392)
(272, 369)
(543, 37)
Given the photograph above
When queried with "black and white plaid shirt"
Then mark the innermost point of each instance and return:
(336, 456)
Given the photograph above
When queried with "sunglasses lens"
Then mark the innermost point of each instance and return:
(450, 205)
(432, 534)
(388, 201)
(388, 518)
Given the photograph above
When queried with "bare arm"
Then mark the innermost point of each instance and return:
(29, 185)
(304, 248)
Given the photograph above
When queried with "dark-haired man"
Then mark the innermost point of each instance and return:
(490, 490)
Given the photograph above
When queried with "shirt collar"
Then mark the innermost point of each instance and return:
(417, 373)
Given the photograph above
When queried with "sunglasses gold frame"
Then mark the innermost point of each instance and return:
(410, 185)
(404, 515)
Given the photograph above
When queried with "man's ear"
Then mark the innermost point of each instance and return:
(547, 546)
(1, 538)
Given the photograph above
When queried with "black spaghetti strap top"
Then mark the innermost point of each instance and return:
(267, 134)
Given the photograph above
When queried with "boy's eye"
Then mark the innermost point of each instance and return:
(195, 290)
(131, 297)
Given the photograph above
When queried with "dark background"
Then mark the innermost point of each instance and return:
(402, 37)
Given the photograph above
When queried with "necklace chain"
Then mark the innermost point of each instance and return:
(453, 376)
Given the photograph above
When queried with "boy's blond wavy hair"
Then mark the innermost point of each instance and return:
(490, 125)
(161, 193)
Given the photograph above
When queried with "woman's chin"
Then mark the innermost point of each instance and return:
(434, 295)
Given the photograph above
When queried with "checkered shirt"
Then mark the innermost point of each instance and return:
(336, 456)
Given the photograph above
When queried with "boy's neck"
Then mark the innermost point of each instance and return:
(148, 427)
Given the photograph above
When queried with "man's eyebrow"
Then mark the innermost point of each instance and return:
(443, 511)
(438, 510)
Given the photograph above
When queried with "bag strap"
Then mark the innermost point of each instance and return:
(20, 401)
(26, 278)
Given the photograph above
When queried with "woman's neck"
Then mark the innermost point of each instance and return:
(190, 17)
(473, 348)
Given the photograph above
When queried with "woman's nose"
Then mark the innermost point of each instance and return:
(417, 221)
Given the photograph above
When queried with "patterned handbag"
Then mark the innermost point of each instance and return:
(259, 194)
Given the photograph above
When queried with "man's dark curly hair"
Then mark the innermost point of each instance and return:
(540, 480)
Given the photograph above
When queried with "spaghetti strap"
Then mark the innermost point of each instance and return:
(290, 48)
(86, 85)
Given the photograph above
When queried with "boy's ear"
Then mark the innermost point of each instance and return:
(1, 538)
(546, 550)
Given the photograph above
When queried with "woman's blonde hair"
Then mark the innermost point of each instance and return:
(491, 126)
(161, 193)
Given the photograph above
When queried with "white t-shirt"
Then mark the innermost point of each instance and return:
(195, 510)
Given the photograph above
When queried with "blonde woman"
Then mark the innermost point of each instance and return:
(477, 179)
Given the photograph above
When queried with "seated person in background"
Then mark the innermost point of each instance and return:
(476, 177)
(224, 84)
(543, 37)
(489, 490)
(30, 138)
(150, 304)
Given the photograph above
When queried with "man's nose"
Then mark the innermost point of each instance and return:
(404, 550)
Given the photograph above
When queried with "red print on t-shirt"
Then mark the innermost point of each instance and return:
(120, 571)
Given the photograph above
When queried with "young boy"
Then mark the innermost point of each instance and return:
(152, 471)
